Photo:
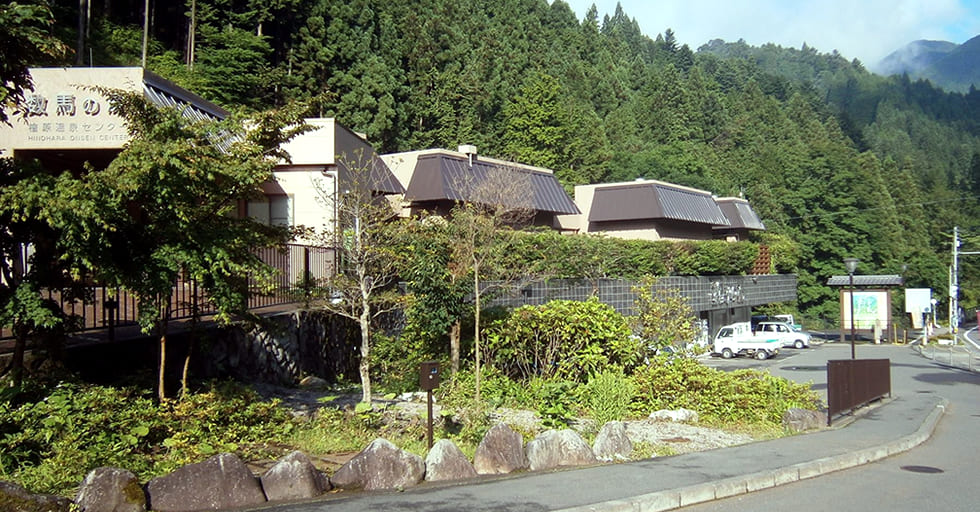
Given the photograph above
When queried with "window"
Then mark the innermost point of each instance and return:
(272, 210)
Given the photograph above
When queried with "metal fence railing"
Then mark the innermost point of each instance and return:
(852, 383)
(94, 307)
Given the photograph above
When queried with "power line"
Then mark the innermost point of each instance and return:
(896, 206)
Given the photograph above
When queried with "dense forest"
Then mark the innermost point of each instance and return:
(837, 161)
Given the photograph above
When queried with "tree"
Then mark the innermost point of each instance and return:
(497, 199)
(25, 40)
(361, 289)
(165, 208)
(664, 318)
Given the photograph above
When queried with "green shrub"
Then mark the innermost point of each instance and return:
(49, 445)
(563, 339)
(742, 396)
(607, 397)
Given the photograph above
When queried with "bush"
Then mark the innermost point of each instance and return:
(563, 339)
(607, 397)
(742, 396)
(50, 445)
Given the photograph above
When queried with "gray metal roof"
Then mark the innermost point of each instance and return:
(164, 93)
(440, 177)
(866, 280)
(655, 200)
(740, 214)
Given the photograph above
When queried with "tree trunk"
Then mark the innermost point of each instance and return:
(82, 29)
(161, 389)
(365, 365)
(476, 324)
(454, 334)
(17, 361)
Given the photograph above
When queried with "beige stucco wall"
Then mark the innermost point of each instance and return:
(67, 114)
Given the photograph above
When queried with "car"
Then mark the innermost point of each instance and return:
(786, 334)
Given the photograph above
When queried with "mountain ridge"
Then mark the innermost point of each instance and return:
(953, 67)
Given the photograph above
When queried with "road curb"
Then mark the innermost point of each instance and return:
(709, 491)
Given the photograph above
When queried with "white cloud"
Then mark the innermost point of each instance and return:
(864, 29)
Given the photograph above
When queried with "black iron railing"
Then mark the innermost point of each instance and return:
(93, 307)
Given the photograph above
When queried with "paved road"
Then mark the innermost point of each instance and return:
(663, 483)
(941, 474)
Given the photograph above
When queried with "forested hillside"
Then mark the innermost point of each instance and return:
(837, 161)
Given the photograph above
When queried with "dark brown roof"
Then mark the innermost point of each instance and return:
(739, 213)
(440, 177)
(866, 280)
(654, 200)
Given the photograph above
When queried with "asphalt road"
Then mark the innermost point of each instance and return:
(942, 474)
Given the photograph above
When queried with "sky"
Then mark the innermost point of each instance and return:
(867, 30)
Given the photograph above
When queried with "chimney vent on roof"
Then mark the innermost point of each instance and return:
(470, 151)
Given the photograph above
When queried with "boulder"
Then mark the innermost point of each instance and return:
(801, 420)
(554, 448)
(446, 461)
(612, 443)
(294, 477)
(111, 490)
(500, 451)
(223, 481)
(17, 499)
(313, 382)
(381, 465)
(677, 415)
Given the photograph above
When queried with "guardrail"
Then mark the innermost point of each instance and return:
(852, 383)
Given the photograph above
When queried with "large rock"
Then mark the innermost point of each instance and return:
(294, 477)
(223, 481)
(381, 465)
(111, 490)
(677, 415)
(500, 451)
(801, 420)
(554, 448)
(15, 498)
(612, 443)
(446, 461)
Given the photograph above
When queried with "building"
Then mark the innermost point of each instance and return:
(68, 121)
(435, 180)
(655, 210)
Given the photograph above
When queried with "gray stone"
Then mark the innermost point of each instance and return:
(612, 443)
(294, 477)
(677, 415)
(500, 451)
(381, 465)
(223, 481)
(17, 499)
(312, 382)
(111, 490)
(446, 461)
(801, 420)
(554, 448)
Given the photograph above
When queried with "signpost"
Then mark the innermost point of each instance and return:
(428, 381)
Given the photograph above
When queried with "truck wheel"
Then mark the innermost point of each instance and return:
(798, 344)
(726, 353)
(761, 355)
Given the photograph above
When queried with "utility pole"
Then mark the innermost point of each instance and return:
(954, 307)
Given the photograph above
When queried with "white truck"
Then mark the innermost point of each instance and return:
(737, 339)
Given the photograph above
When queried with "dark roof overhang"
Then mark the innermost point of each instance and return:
(439, 177)
(867, 280)
(655, 200)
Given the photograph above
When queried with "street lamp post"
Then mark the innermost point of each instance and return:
(851, 264)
